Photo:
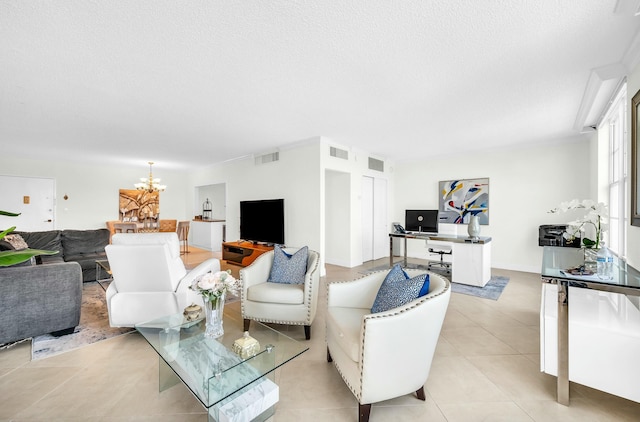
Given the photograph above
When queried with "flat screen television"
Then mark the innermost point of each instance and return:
(425, 221)
(262, 221)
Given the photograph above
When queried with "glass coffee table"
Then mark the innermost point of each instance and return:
(229, 387)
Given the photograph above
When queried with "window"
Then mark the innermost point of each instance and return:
(616, 117)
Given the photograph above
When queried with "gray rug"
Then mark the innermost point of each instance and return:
(93, 327)
(492, 290)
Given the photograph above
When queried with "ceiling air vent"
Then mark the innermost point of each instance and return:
(339, 153)
(375, 164)
(267, 158)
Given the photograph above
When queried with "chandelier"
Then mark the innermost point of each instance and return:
(150, 184)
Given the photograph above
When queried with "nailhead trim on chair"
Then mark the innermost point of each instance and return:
(310, 295)
(358, 394)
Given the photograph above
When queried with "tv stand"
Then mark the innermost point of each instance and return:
(242, 253)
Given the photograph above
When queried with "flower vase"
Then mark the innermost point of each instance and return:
(214, 309)
(474, 227)
(590, 259)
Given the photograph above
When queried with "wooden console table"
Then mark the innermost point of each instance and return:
(242, 253)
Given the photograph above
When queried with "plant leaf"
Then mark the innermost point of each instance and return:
(9, 214)
(6, 232)
(8, 258)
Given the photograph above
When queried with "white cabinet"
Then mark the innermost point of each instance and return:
(207, 235)
(604, 339)
(471, 263)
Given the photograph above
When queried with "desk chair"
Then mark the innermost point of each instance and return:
(442, 252)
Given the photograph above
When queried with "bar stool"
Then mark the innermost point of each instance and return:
(183, 236)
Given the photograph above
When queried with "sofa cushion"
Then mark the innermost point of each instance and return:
(398, 289)
(345, 324)
(84, 242)
(289, 269)
(49, 240)
(288, 294)
(16, 241)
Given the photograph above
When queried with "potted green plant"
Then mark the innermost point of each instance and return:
(8, 258)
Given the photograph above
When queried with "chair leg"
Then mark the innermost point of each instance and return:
(307, 332)
(420, 394)
(247, 322)
(329, 358)
(364, 412)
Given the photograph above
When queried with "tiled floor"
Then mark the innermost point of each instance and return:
(485, 369)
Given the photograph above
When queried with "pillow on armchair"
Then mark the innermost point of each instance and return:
(398, 289)
(289, 268)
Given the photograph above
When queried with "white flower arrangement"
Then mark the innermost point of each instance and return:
(597, 216)
(212, 286)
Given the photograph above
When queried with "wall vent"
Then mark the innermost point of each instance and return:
(267, 158)
(339, 153)
(375, 164)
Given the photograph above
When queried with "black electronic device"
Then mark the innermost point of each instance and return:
(262, 221)
(398, 228)
(421, 221)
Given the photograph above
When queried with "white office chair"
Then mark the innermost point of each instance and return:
(387, 354)
(149, 278)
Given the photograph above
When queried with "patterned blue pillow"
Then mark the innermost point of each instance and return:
(289, 269)
(398, 289)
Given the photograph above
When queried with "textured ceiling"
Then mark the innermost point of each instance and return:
(188, 83)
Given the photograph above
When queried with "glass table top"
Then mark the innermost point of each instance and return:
(209, 367)
(564, 263)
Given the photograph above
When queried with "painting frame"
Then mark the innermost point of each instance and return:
(635, 161)
(459, 199)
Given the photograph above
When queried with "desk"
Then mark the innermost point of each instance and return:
(470, 259)
(596, 342)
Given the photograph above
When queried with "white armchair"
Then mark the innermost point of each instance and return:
(387, 354)
(149, 278)
(291, 304)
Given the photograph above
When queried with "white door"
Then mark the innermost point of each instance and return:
(33, 198)
(367, 218)
(380, 226)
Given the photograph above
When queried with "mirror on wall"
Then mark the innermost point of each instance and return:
(635, 161)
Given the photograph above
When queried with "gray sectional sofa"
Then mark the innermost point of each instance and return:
(47, 297)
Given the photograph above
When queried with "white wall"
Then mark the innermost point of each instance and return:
(337, 218)
(93, 189)
(217, 195)
(295, 178)
(523, 185)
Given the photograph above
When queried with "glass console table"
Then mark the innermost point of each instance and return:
(604, 317)
(224, 383)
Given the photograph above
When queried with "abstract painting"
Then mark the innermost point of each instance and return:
(460, 199)
(136, 205)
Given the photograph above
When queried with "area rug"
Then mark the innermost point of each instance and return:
(93, 327)
(492, 290)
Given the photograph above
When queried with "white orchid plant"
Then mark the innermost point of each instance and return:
(212, 286)
(597, 216)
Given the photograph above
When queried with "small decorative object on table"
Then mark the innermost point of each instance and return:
(246, 346)
(474, 227)
(192, 312)
(213, 287)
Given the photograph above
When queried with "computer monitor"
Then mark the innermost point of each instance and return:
(425, 221)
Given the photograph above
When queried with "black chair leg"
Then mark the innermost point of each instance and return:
(307, 332)
(364, 412)
(247, 322)
(420, 394)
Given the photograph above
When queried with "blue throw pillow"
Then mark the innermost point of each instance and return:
(289, 269)
(398, 289)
